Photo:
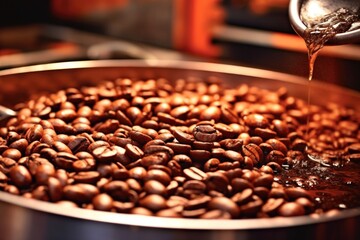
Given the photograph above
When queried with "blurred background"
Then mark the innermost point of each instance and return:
(254, 33)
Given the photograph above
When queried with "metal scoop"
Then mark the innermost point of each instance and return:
(302, 12)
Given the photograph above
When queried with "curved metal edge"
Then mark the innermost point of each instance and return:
(175, 64)
(173, 223)
(159, 222)
(299, 27)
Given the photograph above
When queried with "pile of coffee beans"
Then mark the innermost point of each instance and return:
(191, 149)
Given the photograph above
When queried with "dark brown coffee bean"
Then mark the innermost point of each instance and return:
(79, 144)
(183, 137)
(194, 173)
(252, 151)
(183, 160)
(200, 155)
(153, 202)
(353, 148)
(272, 205)
(299, 145)
(102, 202)
(294, 193)
(239, 184)
(291, 209)
(264, 180)
(55, 189)
(264, 133)
(211, 165)
(243, 197)
(159, 158)
(179, 148)
(180, 112)
(251, 208)
(216, 214)
(65, 160)
(133, 151)
(256, 120)
(224, 204)
(20, 144)
(12, 153)
(158, 175)
(20, 176)
(80, 193)
(154, 187)
(118, 190)
(138, 173)
(43, 172)
(211, 113)
(276, 156)
(139, 137)
(90, 177)
(277, 145)
(205, 133)
(228, 116)
(233, 156)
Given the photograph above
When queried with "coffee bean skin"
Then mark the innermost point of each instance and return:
(180, 148)
(20, 176)
(153, 202)
(291, 209)
(102, 202)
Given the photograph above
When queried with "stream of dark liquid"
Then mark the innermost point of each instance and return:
(318, 32)
(337, 187)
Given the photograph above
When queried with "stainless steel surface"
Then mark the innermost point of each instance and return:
(23, 219)
(324, 7)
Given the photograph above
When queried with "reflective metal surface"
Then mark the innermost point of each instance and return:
(31, 219)
(322, 8)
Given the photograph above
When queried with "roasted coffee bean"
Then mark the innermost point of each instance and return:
(179, 148)
(133, 151)
(216, 214)
(199, 155)
(55, 189)
(252, 151)
(256, 121)
(80, 193)
(251, 208)
(228, 116)
(217, 181)
(277, 145)
(232, 144)
(153, 202)
(211, 113)
(12, 153)
(20, 176)
(20, 145)
(233, 156)
(183, 137)
(264, 180)
(79, 144)
(211, 165)
(154, 187)
(272, 205)
(194, 173)
(90, 177)
(43, 173)
(276, 156)
(291, 209)
(224, 204)
(264, 133)
(205, 133)
(294, 193)
(102, 202)
(243, 197)
(158, 175)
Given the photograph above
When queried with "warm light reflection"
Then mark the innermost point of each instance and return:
(314, 10)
